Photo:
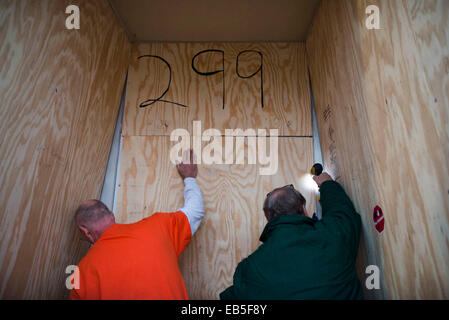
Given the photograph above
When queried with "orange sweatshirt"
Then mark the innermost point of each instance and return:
(137, 261)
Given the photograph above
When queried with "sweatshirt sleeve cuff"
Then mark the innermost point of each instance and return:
(189, 180)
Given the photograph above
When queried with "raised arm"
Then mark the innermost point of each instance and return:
(338, 211)
(193, 199)
(333, 197)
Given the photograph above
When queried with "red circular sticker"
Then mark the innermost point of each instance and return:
(378, 218)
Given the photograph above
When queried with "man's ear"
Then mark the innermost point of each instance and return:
(304, 210)
(86, 234)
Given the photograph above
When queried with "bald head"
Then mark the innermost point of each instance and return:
(93, 217)
(90, 212)
(283, 201)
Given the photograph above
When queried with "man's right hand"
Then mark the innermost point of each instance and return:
(322, 178)
(187, 168)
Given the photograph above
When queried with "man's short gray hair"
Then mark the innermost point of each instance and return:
(90, 212)
(283, 201)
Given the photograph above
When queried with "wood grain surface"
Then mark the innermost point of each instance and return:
(59, 97)
(382, 99)
(233, 197)
(286, 97)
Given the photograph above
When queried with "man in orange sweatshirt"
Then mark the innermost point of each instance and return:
(138, 260)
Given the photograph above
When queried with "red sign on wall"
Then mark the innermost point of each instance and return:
(378, 218)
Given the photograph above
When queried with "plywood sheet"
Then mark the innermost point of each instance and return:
(233, 196)
(382, 105)
(220, 101)
(59, 97)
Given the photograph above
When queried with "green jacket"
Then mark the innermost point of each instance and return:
(301, 258)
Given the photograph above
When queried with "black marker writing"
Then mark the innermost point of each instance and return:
(149, 102)
(211, 72)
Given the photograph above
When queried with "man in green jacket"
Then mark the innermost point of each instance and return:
(301, 258)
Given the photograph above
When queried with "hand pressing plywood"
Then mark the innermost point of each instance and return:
(233, 197)
(224, 85)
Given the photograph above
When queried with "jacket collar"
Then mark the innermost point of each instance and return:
(291, 219)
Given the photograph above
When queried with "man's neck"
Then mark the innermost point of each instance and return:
(105, 227)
